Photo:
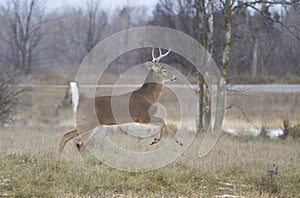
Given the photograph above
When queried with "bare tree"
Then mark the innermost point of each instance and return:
(206, 31)
(9, 94)
(22, 32)
(266, 33)
(95, 20)
(288, 44)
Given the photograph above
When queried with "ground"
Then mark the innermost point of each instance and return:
(244, 166)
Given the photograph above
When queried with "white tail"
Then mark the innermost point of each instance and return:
(75, 97)
(139, 104)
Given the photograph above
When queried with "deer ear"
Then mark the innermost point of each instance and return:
(149, 65)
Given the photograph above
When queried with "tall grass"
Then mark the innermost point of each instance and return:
(30, 165)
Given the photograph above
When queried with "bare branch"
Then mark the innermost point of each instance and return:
(276, 21)
(243, 113)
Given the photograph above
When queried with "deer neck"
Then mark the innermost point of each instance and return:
(152, 77)
(152, 87)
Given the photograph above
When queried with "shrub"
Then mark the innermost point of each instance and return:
(268, 183)
(295, 132)
(9, 94)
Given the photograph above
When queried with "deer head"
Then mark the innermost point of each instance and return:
(159, 71)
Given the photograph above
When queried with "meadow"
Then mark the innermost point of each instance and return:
(241, 166)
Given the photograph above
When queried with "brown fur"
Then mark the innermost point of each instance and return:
(137, 104)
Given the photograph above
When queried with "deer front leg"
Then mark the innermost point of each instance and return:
(173, 135)
(67, 137)
(157, 139)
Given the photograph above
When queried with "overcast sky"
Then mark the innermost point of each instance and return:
(108, 5)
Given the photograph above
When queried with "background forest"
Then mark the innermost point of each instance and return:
(48, 45)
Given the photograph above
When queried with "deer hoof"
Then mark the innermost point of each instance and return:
(179, 142)
(154, 141)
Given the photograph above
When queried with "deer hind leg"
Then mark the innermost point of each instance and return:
(79, 143)
(67, 137)
(156, 120)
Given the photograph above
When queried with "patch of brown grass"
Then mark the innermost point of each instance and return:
(30, 166)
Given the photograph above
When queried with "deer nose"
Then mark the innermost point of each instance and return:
(173, 78)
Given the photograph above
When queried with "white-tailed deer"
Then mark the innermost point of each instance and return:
(138, 102)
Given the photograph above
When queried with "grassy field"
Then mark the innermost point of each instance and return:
(241, 166)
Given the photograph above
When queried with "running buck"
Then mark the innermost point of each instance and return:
(137, 102)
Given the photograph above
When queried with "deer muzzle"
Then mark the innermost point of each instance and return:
(173, 78)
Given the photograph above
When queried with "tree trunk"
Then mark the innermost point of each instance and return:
(210, 32)
(200, 103)
(227, 39)
(203, 42)
(255, 58)
(206, 28)
(225, 61)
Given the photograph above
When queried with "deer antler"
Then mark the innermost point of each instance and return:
(161, 55)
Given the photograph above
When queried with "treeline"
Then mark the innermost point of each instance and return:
(37, 40)
(265, 34)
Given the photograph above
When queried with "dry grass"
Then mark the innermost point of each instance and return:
(257, 110)
(30, 166)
